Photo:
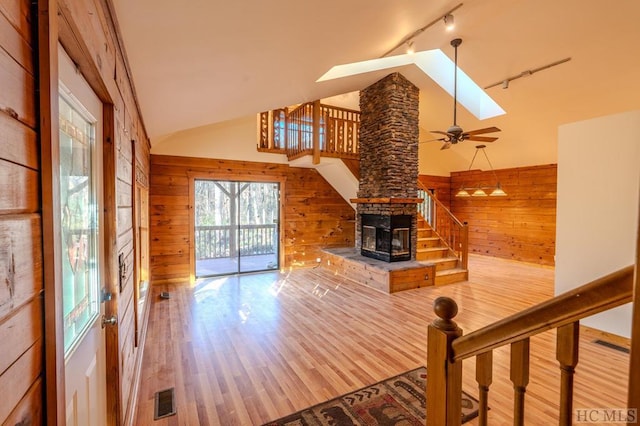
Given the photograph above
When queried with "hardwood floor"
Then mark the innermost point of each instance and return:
(249, 349)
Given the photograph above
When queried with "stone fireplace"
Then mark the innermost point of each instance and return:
(386, 219)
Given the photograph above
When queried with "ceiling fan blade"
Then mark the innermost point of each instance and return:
(481, 131)
(446, 145)
(432, 140)
(440, 132)
(481, 138)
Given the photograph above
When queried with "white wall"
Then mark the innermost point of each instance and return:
(597, 211)
(229, 140)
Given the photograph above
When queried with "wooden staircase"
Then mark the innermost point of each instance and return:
(433, 250)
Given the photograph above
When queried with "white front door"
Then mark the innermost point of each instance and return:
(82, 264)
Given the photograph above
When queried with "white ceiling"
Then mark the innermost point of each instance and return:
(200, 62)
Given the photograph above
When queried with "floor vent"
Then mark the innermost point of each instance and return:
(165, 404)
(612, 346)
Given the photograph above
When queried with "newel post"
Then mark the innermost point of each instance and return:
(444, 376)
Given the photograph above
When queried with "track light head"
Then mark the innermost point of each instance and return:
(410, 48)
(448, 22)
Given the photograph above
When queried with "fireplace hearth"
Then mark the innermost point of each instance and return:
(386, 237)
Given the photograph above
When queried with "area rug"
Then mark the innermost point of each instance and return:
(398, 400)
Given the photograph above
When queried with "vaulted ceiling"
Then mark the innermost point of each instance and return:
(201, 62)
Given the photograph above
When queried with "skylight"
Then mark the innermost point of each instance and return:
(438, 67)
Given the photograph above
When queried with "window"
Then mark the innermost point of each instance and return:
(78, 221)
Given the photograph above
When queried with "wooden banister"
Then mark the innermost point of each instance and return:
(599, 295)
(447, 348)
(449, 228)
(440, 204)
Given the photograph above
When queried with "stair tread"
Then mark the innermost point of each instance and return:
(427, 249)
(450, 271)
(440, 259)
(428, 238)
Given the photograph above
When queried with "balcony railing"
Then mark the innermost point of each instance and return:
(310, 129)
(213, 242)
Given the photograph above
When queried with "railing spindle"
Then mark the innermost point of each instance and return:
(519, 377)
(567, 355)
(484, 368)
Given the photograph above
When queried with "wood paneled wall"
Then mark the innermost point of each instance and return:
(21, 279)
(314, 215)
(89, 34)
(521, 226)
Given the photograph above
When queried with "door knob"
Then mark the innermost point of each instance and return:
(109, 321)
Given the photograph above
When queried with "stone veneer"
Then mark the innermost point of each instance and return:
(388, 146)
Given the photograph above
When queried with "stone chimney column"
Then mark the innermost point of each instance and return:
(388, 146)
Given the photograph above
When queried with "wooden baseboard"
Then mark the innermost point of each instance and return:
(184, 281)
(130, 415)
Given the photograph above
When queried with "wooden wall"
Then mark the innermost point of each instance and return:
(314, 214)
(88, 33)
(521, 226)
(21, 282)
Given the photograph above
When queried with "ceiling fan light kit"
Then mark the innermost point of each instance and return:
(481, 191)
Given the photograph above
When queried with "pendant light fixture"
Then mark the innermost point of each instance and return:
(481, 191)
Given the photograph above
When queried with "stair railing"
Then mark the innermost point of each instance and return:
(311, 128)
(454, 233)
(447, 347)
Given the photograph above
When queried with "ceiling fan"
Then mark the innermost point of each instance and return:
(455, 134)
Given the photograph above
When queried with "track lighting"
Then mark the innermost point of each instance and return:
(526, 73)
(448, 22)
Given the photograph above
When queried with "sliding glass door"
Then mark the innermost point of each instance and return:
(236, 227)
